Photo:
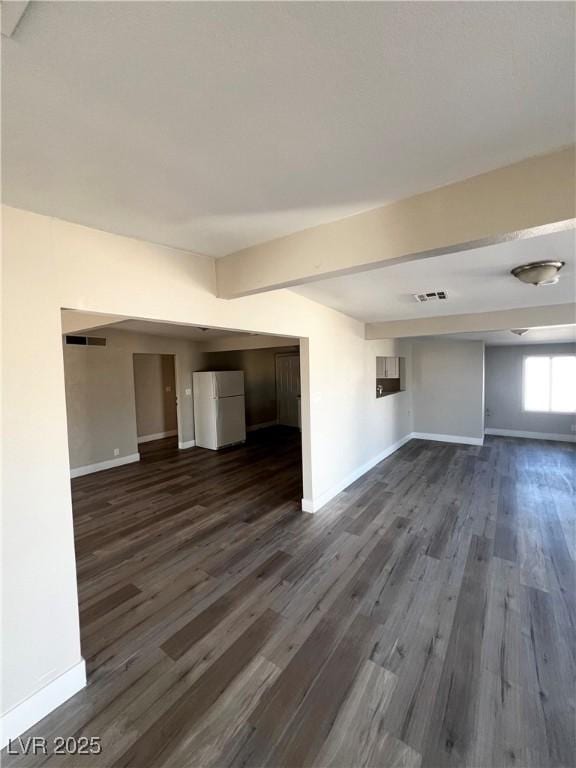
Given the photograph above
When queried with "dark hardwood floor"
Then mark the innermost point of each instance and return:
(425, 617)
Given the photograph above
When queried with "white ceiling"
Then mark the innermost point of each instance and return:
(236, 339)
(172, 330)
(213, 126)
(554, 334)
(476, 281)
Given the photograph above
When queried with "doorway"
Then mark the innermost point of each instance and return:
(155, 396)
(288, 390)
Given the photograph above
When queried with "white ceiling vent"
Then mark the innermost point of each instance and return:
(431, 296)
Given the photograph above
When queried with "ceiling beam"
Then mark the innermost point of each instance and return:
(526, 317)
(533, 197)
(243, 342)
(74, 321)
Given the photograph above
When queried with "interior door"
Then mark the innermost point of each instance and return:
(288, 389)
(230, 420)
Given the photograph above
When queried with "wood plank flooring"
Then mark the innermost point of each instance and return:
(425, 617)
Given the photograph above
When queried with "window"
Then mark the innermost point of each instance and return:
(550, 384)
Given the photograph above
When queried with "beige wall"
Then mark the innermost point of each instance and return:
(155, 394)
(99, 404)
(50, 264)
(504, 366)
(448, 388)
(259, 366)
(40, 638)
(100, 394)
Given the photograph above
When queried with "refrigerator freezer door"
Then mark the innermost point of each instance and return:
(230, 420)
(229, 383)
(204, 385)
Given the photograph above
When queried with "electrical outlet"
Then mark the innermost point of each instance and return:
(189, 392)
(116, 451)
(168, 389)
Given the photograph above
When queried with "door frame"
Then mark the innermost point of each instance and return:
(174, 357)
(277, 356)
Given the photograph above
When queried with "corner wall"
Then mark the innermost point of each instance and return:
(374, 429)
(100, 396)
(504, 371)
(448, 390)
(50, 264)
(40, 629)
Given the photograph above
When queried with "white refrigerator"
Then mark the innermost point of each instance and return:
(219, 410)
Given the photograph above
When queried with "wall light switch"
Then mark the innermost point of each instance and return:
(116, 451)
(168, 389)
(189, 392)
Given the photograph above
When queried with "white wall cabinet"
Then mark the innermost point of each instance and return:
(392, 367)
(387, 367)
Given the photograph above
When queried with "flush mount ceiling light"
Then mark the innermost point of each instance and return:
(519, 331)
(539, 272)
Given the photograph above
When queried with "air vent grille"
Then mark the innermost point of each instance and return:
(431, 296)
(86, 341)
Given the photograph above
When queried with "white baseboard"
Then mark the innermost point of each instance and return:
(448, 438)
(183, 444)
(24, 715)
(101, 465)
(263, 425)
(313, 505)
(531, 435)
(157, 436)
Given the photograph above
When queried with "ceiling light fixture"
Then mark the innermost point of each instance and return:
(519, 331)
(539, 272)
